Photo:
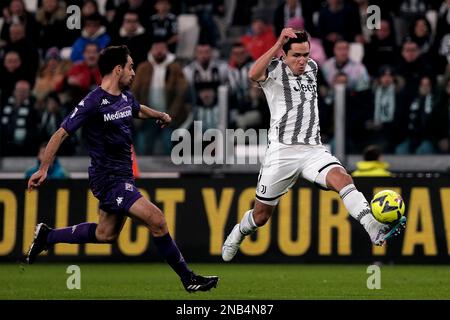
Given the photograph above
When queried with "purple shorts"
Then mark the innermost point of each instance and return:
(117, 196)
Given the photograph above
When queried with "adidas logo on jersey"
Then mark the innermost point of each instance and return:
(105, 101)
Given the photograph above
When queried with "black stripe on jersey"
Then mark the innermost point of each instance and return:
(299, 119)
(287, 99)
(309, 138)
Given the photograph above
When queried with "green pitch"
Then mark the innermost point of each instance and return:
(237, 281)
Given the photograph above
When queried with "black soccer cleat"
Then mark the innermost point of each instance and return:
(200, 283)
(39, 243)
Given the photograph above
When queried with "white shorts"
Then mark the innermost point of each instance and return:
(284, 163)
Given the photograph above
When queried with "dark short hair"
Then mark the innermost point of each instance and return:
(372, 153)
(111, 57)
(302, 36)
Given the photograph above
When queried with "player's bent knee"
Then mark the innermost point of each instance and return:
(158, 226)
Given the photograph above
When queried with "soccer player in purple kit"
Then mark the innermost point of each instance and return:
(106, 115)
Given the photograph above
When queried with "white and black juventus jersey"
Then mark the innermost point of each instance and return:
(294, 114)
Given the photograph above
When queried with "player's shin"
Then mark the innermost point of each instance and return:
(168, 249)
(357, 205)
(247, 224)
(80, 233)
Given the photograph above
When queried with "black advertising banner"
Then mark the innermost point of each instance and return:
(309, 225)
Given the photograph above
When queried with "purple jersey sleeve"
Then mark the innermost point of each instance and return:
(85, 109)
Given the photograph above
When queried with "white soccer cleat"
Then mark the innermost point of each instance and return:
(379, 232)
(231, 245)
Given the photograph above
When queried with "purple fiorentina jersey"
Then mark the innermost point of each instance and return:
(107, 123)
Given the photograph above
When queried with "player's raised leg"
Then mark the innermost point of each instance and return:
(354, 201)
(154, 219)
(106, 231)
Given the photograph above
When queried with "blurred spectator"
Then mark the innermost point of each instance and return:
(442, 38)
(16, 13)
(419, 140)
(163, 24)
(412, 68)
(159, 83)
(205, 11)
(358, 78)
(386, 127)
(441, 118)
(19, 121)
(50, 74)
(408, 11)
(338, 20)
(26, 49)
(51, 119)
(381, 50)
(240, 12)
(11, 71)
(93, 32)
(289, 9)
(51, 17)
(205, 69)
(366, 33)
(372, 164)
(443, 23)
(144, 8)
(316, 51)
(357, 111)
(133, 35)
(243, 108)
(82, 76)
(420, 32)
(55, 171)
(260, 39)
(207, 110)
(111, 7)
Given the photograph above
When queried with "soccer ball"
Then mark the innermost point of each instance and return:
(387, 206)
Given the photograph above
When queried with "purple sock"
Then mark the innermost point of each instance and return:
(169, 250)
(80, 233)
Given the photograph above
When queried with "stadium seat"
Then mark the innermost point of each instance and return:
(188, 33)
(356, 51)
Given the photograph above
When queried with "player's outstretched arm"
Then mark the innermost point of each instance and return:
(49, 155)
(258, 70)
(161, 117)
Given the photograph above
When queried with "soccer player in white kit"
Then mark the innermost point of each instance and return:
(290, 86)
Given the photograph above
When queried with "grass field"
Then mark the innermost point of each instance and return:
(238, 281)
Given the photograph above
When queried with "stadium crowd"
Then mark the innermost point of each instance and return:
(397, 76)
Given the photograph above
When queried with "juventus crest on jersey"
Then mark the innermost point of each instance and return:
(294, 115)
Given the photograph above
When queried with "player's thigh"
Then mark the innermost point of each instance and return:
(319, 163)
(278, 173)
(150, 215)
(109, 226)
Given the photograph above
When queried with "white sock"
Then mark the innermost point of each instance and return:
(357, 205)
(248, 225)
